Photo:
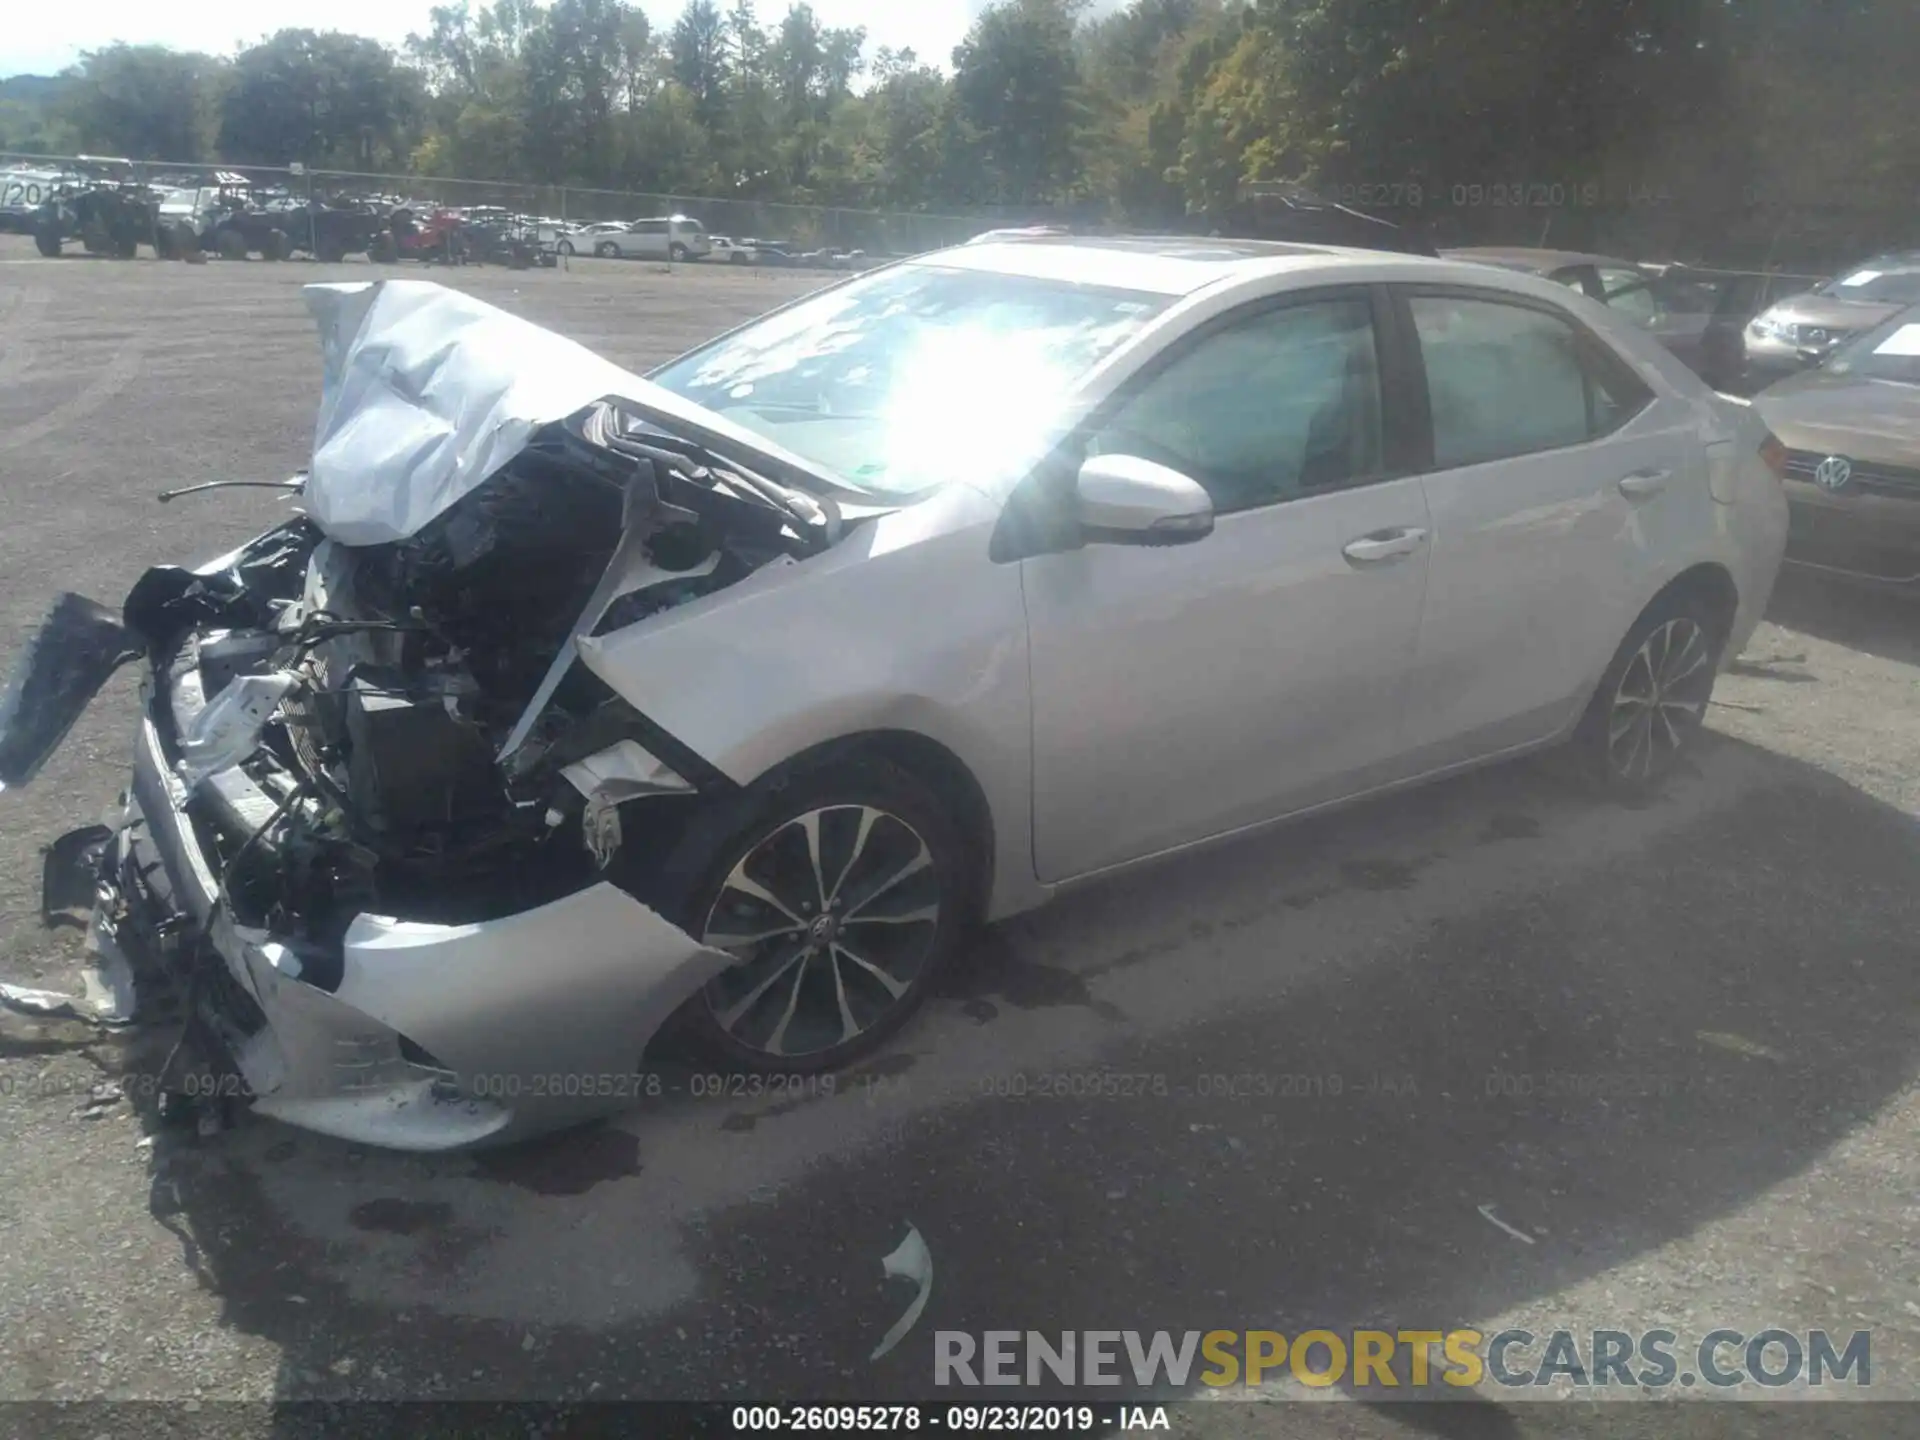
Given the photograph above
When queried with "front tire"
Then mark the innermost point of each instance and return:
(843, 890)
(1652, 701)
(677, 253)
(47, 241)
(565, 247)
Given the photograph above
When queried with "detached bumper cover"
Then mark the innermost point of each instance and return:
(434, 1036)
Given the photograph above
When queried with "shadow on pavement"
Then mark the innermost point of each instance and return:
(1878, 620)
(1610, 1065)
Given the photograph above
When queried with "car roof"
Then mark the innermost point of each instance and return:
(1178, 265)
(1157, 264)
(1537, 261)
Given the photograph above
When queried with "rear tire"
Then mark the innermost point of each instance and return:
(874, 888)
(47, 241)
(275, 246)
(382, 250)
(606, 250)
(1649, 706)
(231, 244)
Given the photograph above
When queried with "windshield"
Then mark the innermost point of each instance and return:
(1890, 280)
(904, 379)
(1887, 352)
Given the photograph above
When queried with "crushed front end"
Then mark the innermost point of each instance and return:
(384, 838)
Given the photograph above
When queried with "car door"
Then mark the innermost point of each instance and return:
(1644, 302)
(1185, 691)
(1551, 472)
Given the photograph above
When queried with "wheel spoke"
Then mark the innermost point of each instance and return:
(730, 1017)
(849, 1027)
(921, 860)
(1699, 653)
(867, 816)
(726, 940)
(895, 988)
(777, 1042)
(905, 917)
(1641, 662)
(1666, 723)
(810, 827)
(1627, 712)
(747, 885)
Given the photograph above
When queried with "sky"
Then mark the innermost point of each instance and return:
(44, 39)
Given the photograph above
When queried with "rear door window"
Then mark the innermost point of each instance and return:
(1507, 379)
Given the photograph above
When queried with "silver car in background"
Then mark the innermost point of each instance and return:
(671, 237)
(577, 714)
(1802, 331)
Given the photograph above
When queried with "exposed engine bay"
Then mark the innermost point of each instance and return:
(415, 707)
(372, 840)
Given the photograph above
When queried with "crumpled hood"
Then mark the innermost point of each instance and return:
(426, 392)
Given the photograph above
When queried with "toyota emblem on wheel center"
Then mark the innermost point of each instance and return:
(1833, 473)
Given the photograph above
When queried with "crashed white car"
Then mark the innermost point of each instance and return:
(572, 704)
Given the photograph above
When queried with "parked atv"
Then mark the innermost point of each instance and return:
(508, 240)
(108, 210)
(440, 235)
(334, 229)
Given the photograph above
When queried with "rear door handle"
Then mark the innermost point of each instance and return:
(1642, 483)
(1384, 545)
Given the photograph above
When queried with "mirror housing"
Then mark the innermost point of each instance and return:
(1125, 500)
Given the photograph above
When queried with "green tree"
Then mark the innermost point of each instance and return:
(143, 101)
(321, 98)
(698, 50)
(1018, 102)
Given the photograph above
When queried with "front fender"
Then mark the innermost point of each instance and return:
(904, 625)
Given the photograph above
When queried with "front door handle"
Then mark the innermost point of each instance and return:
(1384, 545)
(1642, 483)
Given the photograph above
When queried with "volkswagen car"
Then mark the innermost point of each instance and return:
(572, 715)
(1852, 432)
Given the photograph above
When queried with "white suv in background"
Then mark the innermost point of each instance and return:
(672, 237)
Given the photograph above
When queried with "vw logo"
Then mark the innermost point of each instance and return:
(1833, 473)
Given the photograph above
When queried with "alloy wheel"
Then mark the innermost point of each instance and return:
(1660, 700)
(833, 916)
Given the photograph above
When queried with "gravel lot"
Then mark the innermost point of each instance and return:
(1673, 1046)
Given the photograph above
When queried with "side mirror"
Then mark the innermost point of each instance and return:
(1124, 500)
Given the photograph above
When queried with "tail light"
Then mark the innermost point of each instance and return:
(1775, 455)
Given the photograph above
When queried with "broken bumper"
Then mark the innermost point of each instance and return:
(422, 1036)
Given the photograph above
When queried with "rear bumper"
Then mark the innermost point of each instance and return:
(423, 1036)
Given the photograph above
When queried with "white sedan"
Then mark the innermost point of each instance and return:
(731, 251)
(575, 703)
